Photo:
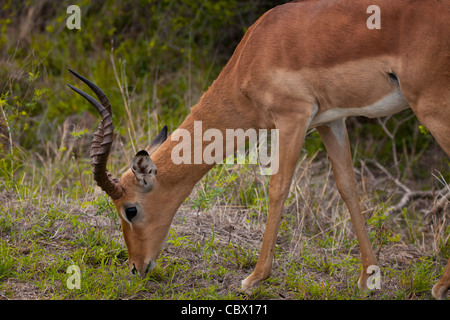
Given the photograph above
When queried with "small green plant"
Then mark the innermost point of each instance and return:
(423, 130)
(209, 195)
(380, 234)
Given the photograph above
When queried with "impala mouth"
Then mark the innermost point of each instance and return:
(151, 265)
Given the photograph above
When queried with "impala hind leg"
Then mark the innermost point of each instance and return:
(433, 111)
(291, 134)
(441, 288)
(335, 139)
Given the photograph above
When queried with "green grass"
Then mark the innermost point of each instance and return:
(207, 253)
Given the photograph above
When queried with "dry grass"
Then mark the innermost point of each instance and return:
(216, 237)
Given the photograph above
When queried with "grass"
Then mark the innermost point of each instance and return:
(214, 245)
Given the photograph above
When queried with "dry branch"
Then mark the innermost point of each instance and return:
(410, 195)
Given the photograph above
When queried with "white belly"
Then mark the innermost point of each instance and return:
(388, 105)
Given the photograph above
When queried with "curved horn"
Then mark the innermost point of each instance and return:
(103, 138)
(99, 93)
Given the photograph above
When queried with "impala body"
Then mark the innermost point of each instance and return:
(301, 65)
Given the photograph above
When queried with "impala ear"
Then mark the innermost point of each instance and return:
(158, 141)
(144, 169)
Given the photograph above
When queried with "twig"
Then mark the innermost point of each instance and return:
(126, 98)
(397, 182)
(409, 194)
(4, 122)
(391, 135)
(442, 202)
(443, 195)
(407, 197)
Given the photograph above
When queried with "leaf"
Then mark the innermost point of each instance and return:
(423, 130)
(78, 134)
(32, 76)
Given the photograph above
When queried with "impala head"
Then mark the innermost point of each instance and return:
(142, 208)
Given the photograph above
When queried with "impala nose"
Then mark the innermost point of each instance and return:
(145, 270)
(133, 270)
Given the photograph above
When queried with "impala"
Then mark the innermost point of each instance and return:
(301, 65)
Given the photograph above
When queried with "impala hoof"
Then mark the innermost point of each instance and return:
(439, 291)
(247, 286)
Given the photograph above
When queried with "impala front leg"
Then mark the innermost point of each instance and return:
(335, 138)
(291, 135)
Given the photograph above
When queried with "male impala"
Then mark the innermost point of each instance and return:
(301, 65)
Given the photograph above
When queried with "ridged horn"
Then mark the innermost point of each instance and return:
(103, 139)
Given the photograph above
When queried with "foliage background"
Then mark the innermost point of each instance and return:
(167, 53)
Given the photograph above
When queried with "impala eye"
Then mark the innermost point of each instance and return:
(131, 213)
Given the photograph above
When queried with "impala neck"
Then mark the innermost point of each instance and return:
(186, 175)
(217, 109)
